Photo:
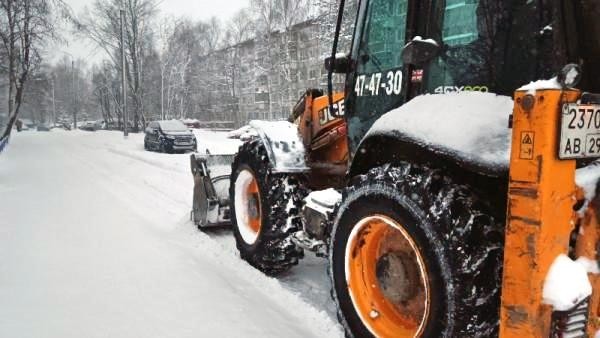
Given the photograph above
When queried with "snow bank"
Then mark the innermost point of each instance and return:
(470, 125)
(566, 284)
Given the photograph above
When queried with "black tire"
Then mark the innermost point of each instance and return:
(460, 242)
(272, 252)
(146, 145)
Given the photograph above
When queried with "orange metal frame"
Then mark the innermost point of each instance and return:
(323, 134)
(540, 215)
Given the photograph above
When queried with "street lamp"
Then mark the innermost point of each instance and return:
(123, 79)
(73, 102)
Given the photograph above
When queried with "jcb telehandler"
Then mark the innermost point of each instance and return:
(458, 191)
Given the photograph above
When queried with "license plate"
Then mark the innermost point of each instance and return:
(580, 131)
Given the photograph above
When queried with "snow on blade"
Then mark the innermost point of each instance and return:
(470, 125)
(215, 142)
(566, 284)
(241, 132)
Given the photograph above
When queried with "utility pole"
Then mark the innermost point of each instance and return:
(124, 79)
(53, 104)
(73, 91)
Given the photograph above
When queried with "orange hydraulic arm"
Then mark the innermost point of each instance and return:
(540, 215)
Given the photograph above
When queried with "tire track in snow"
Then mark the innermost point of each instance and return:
(306, 283)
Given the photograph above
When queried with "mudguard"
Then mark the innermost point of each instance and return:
(283, 144)
(468, 130)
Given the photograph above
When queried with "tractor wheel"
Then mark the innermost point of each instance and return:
(265, 211)
(415, 255)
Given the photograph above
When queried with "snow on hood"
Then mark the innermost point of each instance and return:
(542, 85)
(285, 146)
(177, 133)
(470, 125)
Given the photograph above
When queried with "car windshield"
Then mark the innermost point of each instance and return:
(172, 125)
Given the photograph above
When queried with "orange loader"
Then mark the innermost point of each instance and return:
(450, 190)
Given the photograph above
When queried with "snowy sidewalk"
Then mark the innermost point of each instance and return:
(95, 242)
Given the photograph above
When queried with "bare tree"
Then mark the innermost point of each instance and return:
(290, 13)
(266, 19)
(102, 26)
(240, 28)
(25, 26)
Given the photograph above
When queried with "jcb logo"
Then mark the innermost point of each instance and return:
(325, 115)
(456, 89)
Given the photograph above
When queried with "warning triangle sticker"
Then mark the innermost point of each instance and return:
(527, 139)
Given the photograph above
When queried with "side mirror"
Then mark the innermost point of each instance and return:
(419, 51)
(340, 64)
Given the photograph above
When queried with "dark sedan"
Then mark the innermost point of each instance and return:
(169, 137)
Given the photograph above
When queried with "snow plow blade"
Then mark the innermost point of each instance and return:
(211, 190)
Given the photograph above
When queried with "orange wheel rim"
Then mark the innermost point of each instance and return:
(247, 206)
(387, 279)
(253, 206)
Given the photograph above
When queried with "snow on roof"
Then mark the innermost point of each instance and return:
(541, 85)
(430, 41)
(470, 125)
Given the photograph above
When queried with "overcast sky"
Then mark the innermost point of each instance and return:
(193, 9)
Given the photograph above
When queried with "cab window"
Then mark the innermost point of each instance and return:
(383, 37)
(377, 84)
(489, 46)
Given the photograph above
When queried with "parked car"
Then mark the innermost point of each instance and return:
(89, 125)
(169, 136)
(61, 125)
(43, 127)
(191, 123)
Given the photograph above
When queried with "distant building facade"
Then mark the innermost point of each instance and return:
(262, 78)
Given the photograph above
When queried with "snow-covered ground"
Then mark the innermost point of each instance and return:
(95, 241)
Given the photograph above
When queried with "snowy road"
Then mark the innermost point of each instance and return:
(95, 241)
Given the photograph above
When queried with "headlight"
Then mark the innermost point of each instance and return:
(169, 137)
(570, 76)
